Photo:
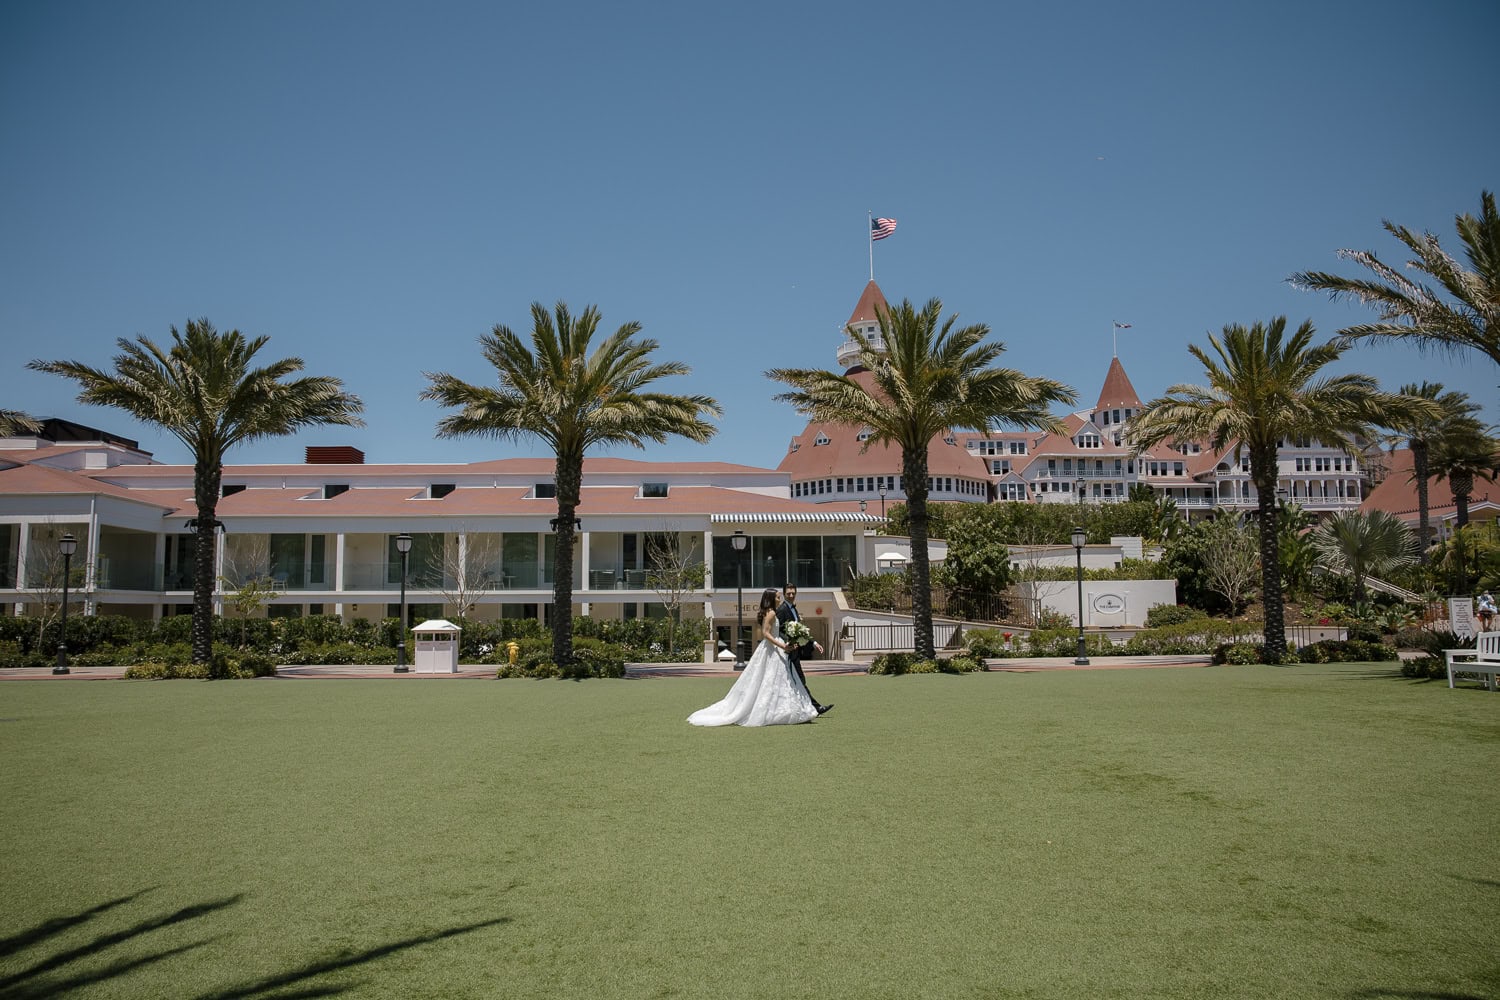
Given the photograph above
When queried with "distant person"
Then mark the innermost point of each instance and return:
(766, 693)
(1486, 609)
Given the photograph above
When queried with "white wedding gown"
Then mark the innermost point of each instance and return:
(766, 693)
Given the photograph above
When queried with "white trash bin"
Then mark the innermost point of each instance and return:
(437, 647)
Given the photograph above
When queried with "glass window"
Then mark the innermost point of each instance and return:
(518, 557)
(838, 559)
(807, 557)
(768, 567)
(289, 561)
(653, 489)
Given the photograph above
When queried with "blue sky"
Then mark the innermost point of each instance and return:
(374, 185)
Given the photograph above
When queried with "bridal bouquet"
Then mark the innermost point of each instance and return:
(796, 633)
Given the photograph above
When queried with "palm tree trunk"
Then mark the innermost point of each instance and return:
(1462, 484)
(914, 471)
(569, 474)
(1419, 467)
(206, 478)
(1263, 472)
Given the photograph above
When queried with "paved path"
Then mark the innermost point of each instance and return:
(817, 668)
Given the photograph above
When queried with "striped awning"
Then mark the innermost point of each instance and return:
(800, 517)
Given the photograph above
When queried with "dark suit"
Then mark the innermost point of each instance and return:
(786, 611)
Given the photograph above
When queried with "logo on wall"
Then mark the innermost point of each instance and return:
(1109, 604)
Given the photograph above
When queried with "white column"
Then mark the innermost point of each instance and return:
(23, 549)
(338, 572)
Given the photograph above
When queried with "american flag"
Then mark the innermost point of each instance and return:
(1122, 326)
(881, 228)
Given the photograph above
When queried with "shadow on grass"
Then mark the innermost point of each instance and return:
(59, 974)
(1382, 993)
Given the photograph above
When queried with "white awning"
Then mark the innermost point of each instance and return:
(826, 517)
(891, 556)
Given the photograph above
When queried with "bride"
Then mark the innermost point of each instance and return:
(767, 693)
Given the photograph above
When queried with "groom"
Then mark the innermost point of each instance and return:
(787, 612)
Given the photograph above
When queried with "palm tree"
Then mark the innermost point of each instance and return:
(1361, 545)
(926, 381)
(1420, 436)
(573, 399)
(1417, 313)
(14, 422)
(1264, 388)
(1465, 453)
(203, 392)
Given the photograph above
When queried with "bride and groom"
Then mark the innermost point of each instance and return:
(772, 690)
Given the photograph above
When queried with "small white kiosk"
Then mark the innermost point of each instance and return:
(437, 647)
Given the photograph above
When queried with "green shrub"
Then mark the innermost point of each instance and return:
(1316, 652)
(1238, 653)
(153, 671)
(924, 667)
(595, 658)
(1346, 651)
(1430, 668)
(173, 628)
(1162, 615)
(961, 664)
(535, 669)
(10, 654)
(892, 663)
(1195, 636)
(238, 664)
(1048, 620)
(987, 643)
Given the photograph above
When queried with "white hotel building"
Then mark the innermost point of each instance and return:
(1087, 463)
(324, 530)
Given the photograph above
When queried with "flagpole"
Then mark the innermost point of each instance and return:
(1114, 332)
(870, 236)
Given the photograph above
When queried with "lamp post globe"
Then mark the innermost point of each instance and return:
(1080, 485)
(67, 545)
(1078, 538)
(739, 540)
(882, 501)
(403, 546)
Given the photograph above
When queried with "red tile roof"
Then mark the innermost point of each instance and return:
(39, 479)
(1397, 494)
(479, 501)
(1117, 390)
(846, 455)
(864, 309)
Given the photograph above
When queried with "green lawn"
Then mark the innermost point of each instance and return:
(1243, 832)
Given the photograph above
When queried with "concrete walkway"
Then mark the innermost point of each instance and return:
(816, 668)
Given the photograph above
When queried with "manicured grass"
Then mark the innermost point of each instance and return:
(1247, 832)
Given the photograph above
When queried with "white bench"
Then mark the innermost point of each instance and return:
(1483, 659)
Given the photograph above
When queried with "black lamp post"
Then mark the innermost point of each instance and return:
(1080, 486)
(1078, 539)
(862, 505)
(882, 500)
(67, 545)
(739, 541)
(403, 546)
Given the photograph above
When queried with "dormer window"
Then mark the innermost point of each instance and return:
(950, 440)
(439, 490)
(864, 434)
(332, 490)
(654, 490)
(821, 439)
(544, 491)
(231, 489)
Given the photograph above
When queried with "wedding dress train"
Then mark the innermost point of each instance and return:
(766, 693)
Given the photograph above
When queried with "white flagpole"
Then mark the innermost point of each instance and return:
(1114, 332)
(870, 235)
